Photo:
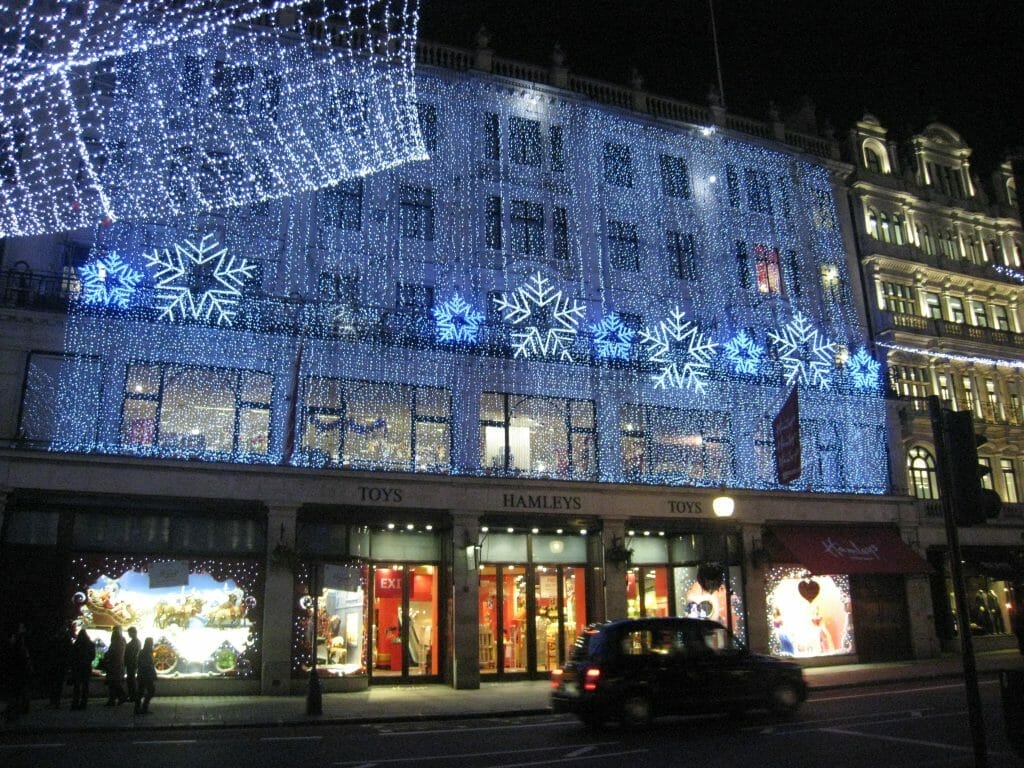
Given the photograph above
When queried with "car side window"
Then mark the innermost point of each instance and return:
(636, 642)
(716, 638)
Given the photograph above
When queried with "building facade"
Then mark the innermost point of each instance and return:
(941, 259)
(430, 423)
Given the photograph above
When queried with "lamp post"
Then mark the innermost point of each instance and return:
(314, 696)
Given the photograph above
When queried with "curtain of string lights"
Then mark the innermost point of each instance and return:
(563, 290)
(130, 111)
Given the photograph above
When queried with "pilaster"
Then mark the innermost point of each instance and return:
(278, 595)
(465, 600)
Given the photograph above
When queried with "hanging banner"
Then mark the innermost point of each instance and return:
(168, 573)
(786, 429)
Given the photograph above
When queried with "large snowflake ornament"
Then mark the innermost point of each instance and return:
(865, 370)
(457, 321)
(681, 350)
(199, 282)
(612, 338)
(108, 281)
(744, 354)
(548, 319)
(807, 357)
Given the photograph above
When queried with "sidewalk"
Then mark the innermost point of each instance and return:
(415, 702)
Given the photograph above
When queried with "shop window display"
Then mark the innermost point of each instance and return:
(808, 616)
(201, 614)
(990, 602)
(341, 623)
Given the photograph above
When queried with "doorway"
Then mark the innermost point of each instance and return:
(404, 624)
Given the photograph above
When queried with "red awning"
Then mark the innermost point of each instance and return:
(849, 549)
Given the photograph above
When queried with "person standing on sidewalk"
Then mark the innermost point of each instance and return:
(131, 663)
(18, 672)
(83, 652)
(55, 664)
(114, 662)
(147, 678)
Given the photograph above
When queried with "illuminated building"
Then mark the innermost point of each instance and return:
(492, 395)
(943, 279)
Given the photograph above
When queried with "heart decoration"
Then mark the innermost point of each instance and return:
(808, 589)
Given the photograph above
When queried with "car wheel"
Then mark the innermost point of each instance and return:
(784, 699)
(636, 711)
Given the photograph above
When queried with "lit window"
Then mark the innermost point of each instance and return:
(766, 263)
(923, 479)
(527, 221)
(624, 245)
(525, 145)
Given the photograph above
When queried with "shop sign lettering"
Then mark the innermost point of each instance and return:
(684, 507)
(540, 501)
(851, 550)
(374, 493)
(389, 584)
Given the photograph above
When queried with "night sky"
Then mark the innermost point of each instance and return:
(909, 62)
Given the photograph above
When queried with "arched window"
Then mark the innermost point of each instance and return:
(872, 160)
(884, 227)
(873, 224)
(924, 240)
(921, 470)
(897, 229)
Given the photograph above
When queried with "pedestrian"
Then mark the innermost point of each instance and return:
(147, 678)
(83, 653)
(55, 664)
(114, 665)
(131, 663)
(18, 673)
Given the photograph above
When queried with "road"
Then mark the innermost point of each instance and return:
(920, 724)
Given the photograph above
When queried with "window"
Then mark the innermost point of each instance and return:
(1012, 493)
(995, 252)
(1000, 319)
(427, 114)
(897, 229)
(884, 228)
(377, 424)
(898, 298)
(345, 204)
(618, 165)
(872, 160)
(956, 309)
(986, 479)
(741, 264)
(830, 283)
(349, 109)
(979, 315)
(524, 142)
(970, 402)
(974, 250)
(560, 232)
(766, 264)
(873, 224)
(910, 381)
(732, 186)
(537, 436)
(759, 192)
(557, 148)
(184, 411)
(945, 394)
(624, 245)
(492, 136)
(925, 241)
(527, 221)
(672, 445)
(933, 305)
(682, 254)
(823, 211)
(921, 469)
(675, 177)
(232, 87)
(997, 411)
(492, 223)
(417, 212)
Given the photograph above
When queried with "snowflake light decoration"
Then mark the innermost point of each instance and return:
(864, 370)
(457, 321)
(199, 282)
(612, 338)
(550, 321)
(744, 354)
(681, 350)
(807, 357)
(108, 281)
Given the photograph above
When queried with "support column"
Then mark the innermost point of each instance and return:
(279, 592)
(614, 572)
(755, 597)
(465, 600)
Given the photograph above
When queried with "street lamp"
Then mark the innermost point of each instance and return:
(723, 506)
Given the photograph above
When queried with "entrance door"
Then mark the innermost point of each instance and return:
(404, 621)
(560, 604)
(504, 629)
(880, 618)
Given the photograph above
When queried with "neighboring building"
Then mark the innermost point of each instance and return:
(944, 284)
(493, 395)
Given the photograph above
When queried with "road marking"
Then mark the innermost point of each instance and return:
(877, 694)
(390, 732)
(167, 741)
(44, 745)
(291, 738)
(900, 739)
(453, 755)
(601, 756)
(581, 751)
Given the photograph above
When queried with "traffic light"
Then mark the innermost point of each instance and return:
(972, 502)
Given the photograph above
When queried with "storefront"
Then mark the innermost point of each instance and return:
(839, 591)
(379, 608)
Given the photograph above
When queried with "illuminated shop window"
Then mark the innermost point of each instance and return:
(766, 265)
(673, 445)
(808, 616)
(921, 468)
(539, 436)
(187, 411)
(376, 425)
